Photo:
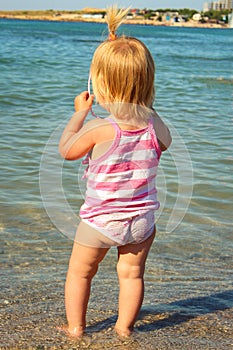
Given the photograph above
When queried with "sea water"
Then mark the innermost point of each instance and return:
(43, 66)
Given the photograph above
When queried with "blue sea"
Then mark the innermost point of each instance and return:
(188, 280)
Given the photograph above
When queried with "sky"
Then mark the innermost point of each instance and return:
(80, 4)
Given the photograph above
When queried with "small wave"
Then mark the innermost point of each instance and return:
(86, 41)
(214, 80)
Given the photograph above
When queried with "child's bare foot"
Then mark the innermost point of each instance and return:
(123, 333)
(71, 331)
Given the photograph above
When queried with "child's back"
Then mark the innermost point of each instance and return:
(121, 196)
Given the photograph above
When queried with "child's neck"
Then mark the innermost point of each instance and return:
(131, 123)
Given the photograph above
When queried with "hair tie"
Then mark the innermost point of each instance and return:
(112, 36)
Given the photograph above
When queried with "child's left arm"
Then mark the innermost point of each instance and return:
(77, 139)
(162, 133)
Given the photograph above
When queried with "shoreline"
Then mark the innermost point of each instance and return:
(77, 17)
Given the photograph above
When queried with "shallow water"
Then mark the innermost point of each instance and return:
(188, 301)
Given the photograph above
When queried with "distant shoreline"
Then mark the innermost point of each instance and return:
(77, 16)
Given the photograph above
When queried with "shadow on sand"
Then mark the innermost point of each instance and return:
(175, 312)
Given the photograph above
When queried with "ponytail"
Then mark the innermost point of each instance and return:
(114, 18)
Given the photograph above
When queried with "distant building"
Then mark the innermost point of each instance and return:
(197, 17)
(135, 12)
(206, 6)
(229, 4)
(89, 15)
(218, 5)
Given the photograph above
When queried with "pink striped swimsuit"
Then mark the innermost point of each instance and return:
(121, 196)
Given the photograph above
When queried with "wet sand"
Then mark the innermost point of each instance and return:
(175, 315)
(29, 322)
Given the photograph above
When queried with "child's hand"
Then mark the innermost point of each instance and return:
(83, 102)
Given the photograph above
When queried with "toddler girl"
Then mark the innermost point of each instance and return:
(123, 153)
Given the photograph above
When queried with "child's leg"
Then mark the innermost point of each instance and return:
(82, 268)
(130, 269)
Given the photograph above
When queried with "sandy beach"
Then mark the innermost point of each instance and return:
(179, 328)
(80, 17)
(32, 308)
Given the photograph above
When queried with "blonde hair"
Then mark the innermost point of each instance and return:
(122, 68)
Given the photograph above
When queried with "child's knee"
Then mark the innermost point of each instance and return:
(125, 270)
(83, 270)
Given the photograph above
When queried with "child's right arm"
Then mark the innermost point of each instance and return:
(162, 133)
(77, 138)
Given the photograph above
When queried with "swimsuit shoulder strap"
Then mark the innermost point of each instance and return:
(154, 137)
(115, 125)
